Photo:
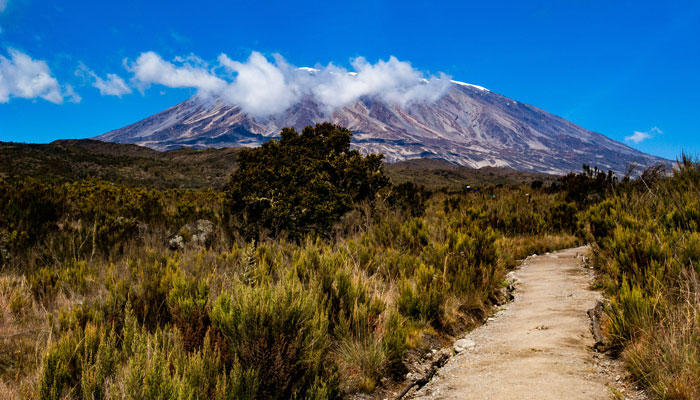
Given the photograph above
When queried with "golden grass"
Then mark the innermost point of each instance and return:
(666, 358)
(512, 249)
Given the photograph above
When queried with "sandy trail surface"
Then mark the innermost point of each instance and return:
(539, 346)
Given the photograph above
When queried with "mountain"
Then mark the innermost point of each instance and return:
(468, 126)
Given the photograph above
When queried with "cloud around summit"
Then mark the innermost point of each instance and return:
(262, 87)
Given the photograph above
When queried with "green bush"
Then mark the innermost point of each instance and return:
(149, 372)
(410, 198)
(422, 297)
(28, 211)
(187, 304)
(279, 332)
(300, 183)
(78, 364)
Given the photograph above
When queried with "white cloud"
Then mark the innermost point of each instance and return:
(393, 81)
(260, 87)
(71, 95)
(22, 76)
(114, 85)
(263, 88)
(638, 136)
(150, 69)
(3, 5)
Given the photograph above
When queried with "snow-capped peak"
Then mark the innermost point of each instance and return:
(470, 85)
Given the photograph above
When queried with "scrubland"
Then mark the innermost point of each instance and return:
(312, 275)
(96, 305)
(646, 247)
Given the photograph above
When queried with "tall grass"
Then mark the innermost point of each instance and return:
(106, 310)
(647, 253)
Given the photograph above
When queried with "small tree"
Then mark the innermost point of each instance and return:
(301, 182)
(590, 186)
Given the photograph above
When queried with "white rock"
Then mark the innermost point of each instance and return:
(464, 344)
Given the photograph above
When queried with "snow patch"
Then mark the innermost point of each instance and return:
(470, 85)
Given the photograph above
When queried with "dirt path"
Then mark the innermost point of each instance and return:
(539, 346)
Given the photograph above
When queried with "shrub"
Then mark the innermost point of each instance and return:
(646, 255)
(28, 211)
(201, 373)
(422, 297)
(187, 304)
(410, 198)
(277, 331)
(588, 187)
(148, 374)
(78, 364)
(394, 343)
(302, 182)
(563, 218)
(667, 357)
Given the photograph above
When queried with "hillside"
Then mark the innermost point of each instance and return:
(203, 168)
(130, 164)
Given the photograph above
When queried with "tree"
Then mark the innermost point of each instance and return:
(301, 182)
(590, 186)
(409, 197)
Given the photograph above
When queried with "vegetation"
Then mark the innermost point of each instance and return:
(95, 304)
(647, 251)
(303, 182)
(71, 160)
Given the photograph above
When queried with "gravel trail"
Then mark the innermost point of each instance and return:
(539, 346)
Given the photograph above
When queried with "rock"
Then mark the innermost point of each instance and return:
(176, 242)
(142, 229)
(463, 344)
(200, 233)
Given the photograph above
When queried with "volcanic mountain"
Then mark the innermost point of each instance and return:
(469, 125)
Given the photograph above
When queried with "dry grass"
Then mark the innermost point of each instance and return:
(8, 392)
(448, 254)
(23, 325)
(667, 357)
(361, 364)
(512, 249)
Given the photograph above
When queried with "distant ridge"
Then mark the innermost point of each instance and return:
(469, 126)
(71, 160)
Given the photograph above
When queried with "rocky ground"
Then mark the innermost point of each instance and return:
(539, 346)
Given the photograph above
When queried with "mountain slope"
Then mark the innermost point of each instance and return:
(469, 126)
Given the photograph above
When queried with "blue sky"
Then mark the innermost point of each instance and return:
(624, 69)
